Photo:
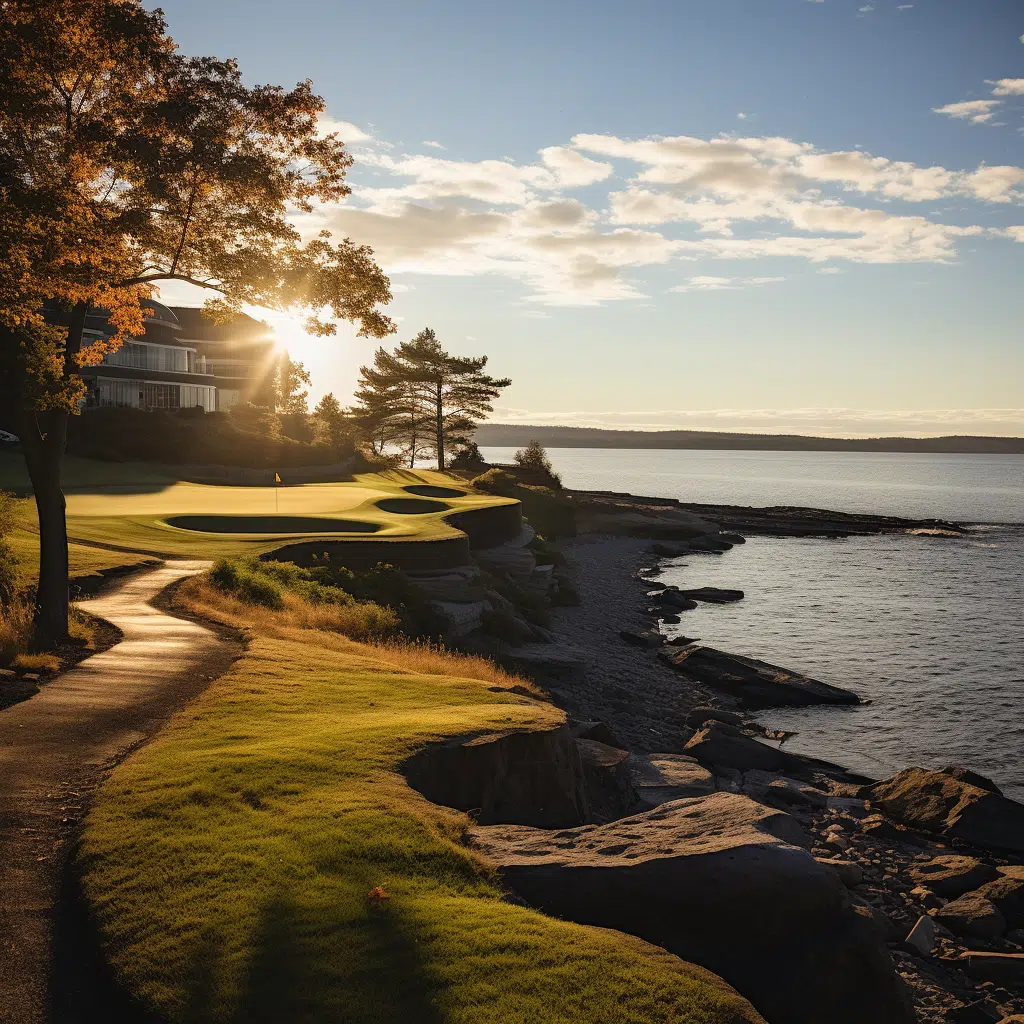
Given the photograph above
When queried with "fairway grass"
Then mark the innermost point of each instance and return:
(121, 513)
(263, 860)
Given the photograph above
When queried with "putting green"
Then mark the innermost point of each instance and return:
(141, 509)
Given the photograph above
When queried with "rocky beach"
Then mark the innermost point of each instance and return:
(890, 900)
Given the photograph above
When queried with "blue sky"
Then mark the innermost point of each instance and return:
(571, 188)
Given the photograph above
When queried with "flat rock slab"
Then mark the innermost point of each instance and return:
(56, 746)
(659, 778)
(713, 595)
(1002, 968)
(725, 883)
(756, 682)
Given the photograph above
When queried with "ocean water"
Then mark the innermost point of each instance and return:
(929, 630)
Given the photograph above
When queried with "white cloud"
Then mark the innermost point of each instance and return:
(741, 116)
(1008, 87)
(674, 199)
(829, 270)
(346, 131)
(975, 111)
(903, 7)
(707, 283)
(432, 144)
(865, 8)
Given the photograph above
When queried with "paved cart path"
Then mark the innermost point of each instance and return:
(54, 749)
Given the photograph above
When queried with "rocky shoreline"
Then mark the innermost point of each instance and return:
(931, 861)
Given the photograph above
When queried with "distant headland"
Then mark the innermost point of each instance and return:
(510, 435)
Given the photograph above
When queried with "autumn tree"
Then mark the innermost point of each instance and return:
(451, 393)
(124, 164)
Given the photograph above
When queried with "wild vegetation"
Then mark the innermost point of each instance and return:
(124, 163)
(264, 859)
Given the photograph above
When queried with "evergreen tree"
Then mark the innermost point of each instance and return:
(331, 423)
(289, 397)
(454, 392)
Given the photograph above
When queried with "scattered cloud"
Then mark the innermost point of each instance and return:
(829, 270)
(866, 8)
(975, 111)
(432, 144)
(346, 131)
(1008, 87)
(741, 116)
(664, 201)
(708, 283)
(904, 7)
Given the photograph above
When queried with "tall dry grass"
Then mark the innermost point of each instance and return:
(341, 627)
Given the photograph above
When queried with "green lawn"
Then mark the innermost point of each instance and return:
(229, 864)
(126, 508)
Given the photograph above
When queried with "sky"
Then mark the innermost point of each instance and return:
(771, 215)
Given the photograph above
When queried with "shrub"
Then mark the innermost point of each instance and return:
(496, 481)
(385, 585)
(468, 457)
(534, 462)
(247, 581)
(15, 629)
(8, 559)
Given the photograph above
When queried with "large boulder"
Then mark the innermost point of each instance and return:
(780, 791)
(1002, 968)
(947, 803)
(721, 745)
(973, 916)
(1006, 894)
(534, 777)
(951, 875)
(610, 791)
(722, 882)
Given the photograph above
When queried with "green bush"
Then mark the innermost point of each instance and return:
(496, 481)
(535, 466)
(248, 581)
(8, 559)
(385, 585)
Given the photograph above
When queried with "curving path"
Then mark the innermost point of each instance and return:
(54, 749)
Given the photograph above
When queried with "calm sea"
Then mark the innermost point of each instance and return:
(930, 630)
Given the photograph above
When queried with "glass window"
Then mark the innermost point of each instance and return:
(142, 356)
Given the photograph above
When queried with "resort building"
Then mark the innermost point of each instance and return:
(183, 361)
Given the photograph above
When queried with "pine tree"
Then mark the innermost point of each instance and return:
(454, 391)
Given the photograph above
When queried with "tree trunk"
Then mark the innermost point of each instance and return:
(439, 412)
(412, 443)
(42, 440)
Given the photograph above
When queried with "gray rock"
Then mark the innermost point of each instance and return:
(973, 916)
(778, 790)
(720, 744)
(713, 595)
(720, 881)
(922, 936)
(610, 791)
(951, 875)
(850, 873)
(599, 731)
(635, 638)
(533, 777)
(758, 682)
(699, 715)
(658, 778)
(1002, 968)
(945, 803)
(1007, 893)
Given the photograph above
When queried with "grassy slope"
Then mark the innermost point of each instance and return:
(230, 863)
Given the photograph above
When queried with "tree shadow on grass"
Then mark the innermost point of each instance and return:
(374, 973)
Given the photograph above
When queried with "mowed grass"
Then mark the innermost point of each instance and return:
(125, 507)
(263, 860)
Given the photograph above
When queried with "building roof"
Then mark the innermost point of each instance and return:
(241, 327)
